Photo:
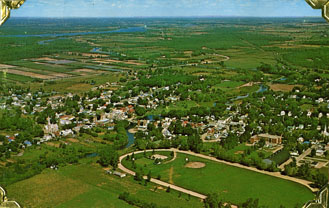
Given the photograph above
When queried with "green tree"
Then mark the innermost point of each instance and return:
(109, 156)
(212, 201)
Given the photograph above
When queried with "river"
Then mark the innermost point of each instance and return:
(261, 89)
(123, 30)
(131, 139)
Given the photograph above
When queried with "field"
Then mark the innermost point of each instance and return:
(233, 184)
(87, 185)
(219, 51)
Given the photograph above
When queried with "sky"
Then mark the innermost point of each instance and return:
(164, 8)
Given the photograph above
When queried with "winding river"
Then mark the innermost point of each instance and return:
(123, 30)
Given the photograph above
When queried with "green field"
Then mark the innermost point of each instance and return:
(87, 185)
(233, 184)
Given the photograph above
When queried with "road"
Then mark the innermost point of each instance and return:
(304, 154)
(201, 196)
(161, 183)
(203, 137)
(298, 159)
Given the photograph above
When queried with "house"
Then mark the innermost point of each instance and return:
(11, 139)
(27, 143)
(103, 121)
(142, 124)
(47, 137)
(272, 139)
(66, 132)
(319, 152)
(121, 175)
(166, 133)
(66, 120)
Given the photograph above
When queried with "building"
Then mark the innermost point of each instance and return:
(271, 139)
(121, 175)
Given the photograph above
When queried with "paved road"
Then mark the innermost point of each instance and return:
(304, 154)
(285, 163)
(298, 159)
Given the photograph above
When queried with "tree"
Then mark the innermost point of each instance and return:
(168, 189)
(212, 201)
(138, 175)
(195, 143)
(251, 203)
(140, 111)
(149, 176)
(320, 180)
(313, 152)
(109, 156)
(261, 143)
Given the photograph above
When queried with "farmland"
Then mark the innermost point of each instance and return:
(197, 49)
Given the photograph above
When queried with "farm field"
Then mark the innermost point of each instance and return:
(233, 184)
(217, 51)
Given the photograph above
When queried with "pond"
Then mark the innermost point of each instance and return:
(152, 117)
(92, 155)
(261, 89)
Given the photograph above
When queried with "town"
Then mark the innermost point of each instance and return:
(153, 122)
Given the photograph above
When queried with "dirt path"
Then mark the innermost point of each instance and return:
(171, 172)
(174, 158)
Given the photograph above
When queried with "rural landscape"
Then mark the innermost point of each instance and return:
(164, 112)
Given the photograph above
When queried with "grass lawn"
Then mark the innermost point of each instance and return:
(87, 185)
(233, 184)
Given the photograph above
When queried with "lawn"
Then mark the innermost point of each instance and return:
(233, 184)
(87, 185)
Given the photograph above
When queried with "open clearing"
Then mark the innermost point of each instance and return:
(195, 165)
(282, 87)
(161, 157)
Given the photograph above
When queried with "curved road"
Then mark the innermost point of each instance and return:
(156, 181)
(201, 196)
